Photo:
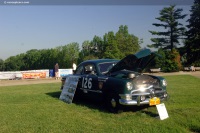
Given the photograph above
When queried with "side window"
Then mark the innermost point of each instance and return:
(79, 70)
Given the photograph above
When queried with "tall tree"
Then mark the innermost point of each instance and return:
(111, 49)
(67, 54)
(126, 43)
(192, 44)
(14, 63)
(73, 54)
(31, 58)
(97, 46)
(113, 45)
(85, 51)
(118, 45)
(1, 65)
(174, 30)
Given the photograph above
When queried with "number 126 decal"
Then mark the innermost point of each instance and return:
(87, 83)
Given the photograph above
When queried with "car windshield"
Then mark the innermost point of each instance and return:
(106, 66)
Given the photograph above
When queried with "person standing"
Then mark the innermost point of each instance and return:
(56, 70)
(74, 67)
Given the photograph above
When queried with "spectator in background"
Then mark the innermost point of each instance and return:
(56, 71)
(74, 67)
(192, 68)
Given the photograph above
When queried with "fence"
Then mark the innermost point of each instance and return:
(32, 74)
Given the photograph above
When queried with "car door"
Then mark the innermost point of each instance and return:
(89, 80)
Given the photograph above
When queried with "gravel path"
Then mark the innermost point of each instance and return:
(195, 74)
(28, 81)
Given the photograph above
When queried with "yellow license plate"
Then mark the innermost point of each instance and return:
(154, 101)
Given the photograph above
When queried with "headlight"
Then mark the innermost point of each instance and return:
(129, 86)
(164, 82)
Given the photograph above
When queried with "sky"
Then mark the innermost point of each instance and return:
(23, 28)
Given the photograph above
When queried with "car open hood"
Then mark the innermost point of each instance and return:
(135, 62)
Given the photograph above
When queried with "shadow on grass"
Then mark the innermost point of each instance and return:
(54, 94)
(92, 104)
(100, 105)
(81, 102)
(150, 113)
(143, 109)
(195, 129)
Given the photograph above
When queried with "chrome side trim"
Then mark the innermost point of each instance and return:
(86, 90)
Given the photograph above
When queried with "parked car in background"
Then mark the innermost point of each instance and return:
(121, 82)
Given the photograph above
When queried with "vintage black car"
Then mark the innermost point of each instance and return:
(121, 82)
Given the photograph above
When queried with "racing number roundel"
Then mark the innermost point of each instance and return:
(87, 83)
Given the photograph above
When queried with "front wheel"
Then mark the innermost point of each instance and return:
(112, 103)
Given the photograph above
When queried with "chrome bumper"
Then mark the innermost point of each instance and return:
(138, 100)
(134, 102)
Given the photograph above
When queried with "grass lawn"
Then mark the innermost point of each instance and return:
(36, 108)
